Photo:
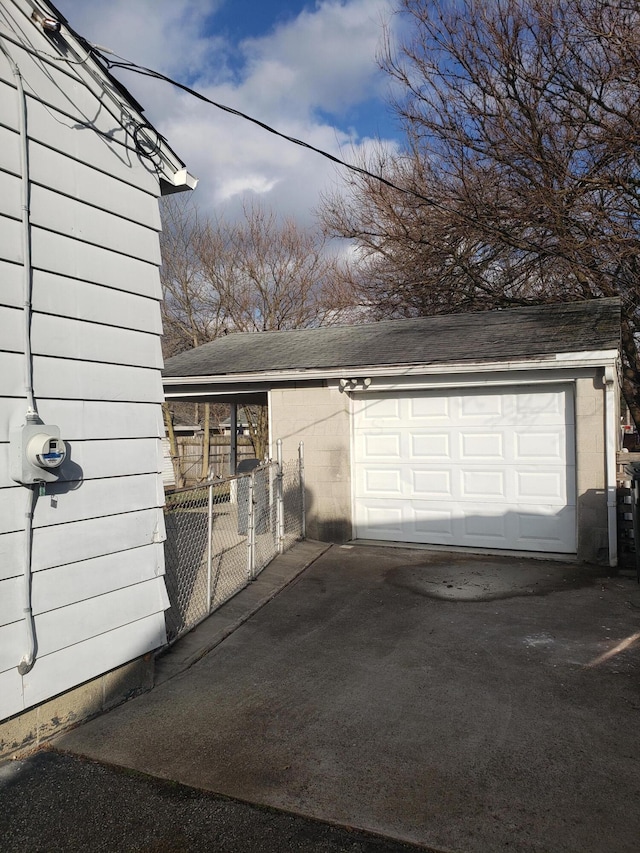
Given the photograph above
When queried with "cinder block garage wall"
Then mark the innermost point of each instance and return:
(318, 416)
(591, 469)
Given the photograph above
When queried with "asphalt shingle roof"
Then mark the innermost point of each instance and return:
(507, 335)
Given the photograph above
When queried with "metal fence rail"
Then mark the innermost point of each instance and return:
(223, 533)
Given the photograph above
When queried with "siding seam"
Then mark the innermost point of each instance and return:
(95, 245)
(90, 282)
(77, 79)
(89, 164)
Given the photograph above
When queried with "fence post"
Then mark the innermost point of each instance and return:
(303, 508)
(251, 528)
(209, 546)
(279, 497)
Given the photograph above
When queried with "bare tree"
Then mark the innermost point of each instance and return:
(256, 274)
(269, 273)
(260, 273)
(521, 124)
(192, 312)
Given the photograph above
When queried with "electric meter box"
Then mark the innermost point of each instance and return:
(37, 452)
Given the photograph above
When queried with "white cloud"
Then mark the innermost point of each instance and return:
(298, 77)
(324, 59)
(255, 183)
(169, 35)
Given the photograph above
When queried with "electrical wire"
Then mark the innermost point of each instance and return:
(99, 53)
(525, 245)
(31, 416)
(127, 65)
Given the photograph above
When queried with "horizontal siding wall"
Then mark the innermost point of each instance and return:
(79, 380)
(75, 664)
(105, 611)
(69, 113)
(66, 297)
(68, 502)
(66, 215)
(82, 540)
(93, 460)
(81, 420)
(98, 589)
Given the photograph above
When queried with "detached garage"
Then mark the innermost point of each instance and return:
(483, 431)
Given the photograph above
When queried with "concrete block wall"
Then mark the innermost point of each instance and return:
(590, 469)
(32, 728)
(319, 417)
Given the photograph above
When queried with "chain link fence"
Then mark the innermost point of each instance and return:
(223, 533)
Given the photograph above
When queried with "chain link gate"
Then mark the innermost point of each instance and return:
(223, 533)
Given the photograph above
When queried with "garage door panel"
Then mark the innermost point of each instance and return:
(382, 521)
(539, 485)
(383, 482)
(488, 484)
(540, 446)
(483, 408)
(431, 445)
(546, 529)
(378, 411)
(479, 469)
(393, 482)
(429, 409)
(481, 445)
(436, 523)
(482, 525)
(382, 446)
(543, 408)
(507, 485)
(431, 482)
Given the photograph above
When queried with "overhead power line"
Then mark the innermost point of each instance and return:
(150, 72)
(526, 244)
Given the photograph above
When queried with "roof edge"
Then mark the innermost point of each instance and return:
(171, 169)
(596, 358)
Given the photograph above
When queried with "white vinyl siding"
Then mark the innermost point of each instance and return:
(66, 105)
(98, 559)
(64, 255)
(99, 459)
(63, 214)
(74, 664)
(112, 154)
(66, 297)
(493, 469)
(83, 540)
(91, 499)
(80, 380)
(91, 616)
(10, 239)
(81, 420)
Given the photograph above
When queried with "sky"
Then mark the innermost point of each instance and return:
(308, 69)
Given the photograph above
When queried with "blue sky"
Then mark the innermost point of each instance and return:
(244, 18)
(307, 68)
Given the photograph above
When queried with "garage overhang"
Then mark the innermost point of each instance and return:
(229, 387)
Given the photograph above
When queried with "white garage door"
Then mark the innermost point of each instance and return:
(489, 469)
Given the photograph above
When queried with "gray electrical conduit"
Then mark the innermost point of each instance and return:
(31, 416)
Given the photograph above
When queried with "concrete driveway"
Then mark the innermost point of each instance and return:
(464, 703)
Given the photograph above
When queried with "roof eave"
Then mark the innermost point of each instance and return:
(588, 358)
(171, 170)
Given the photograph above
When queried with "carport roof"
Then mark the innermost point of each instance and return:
(503, 335)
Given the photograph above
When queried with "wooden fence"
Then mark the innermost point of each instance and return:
(189, 462)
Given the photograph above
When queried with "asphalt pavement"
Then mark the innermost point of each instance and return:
(463, 703)
(55, 803)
